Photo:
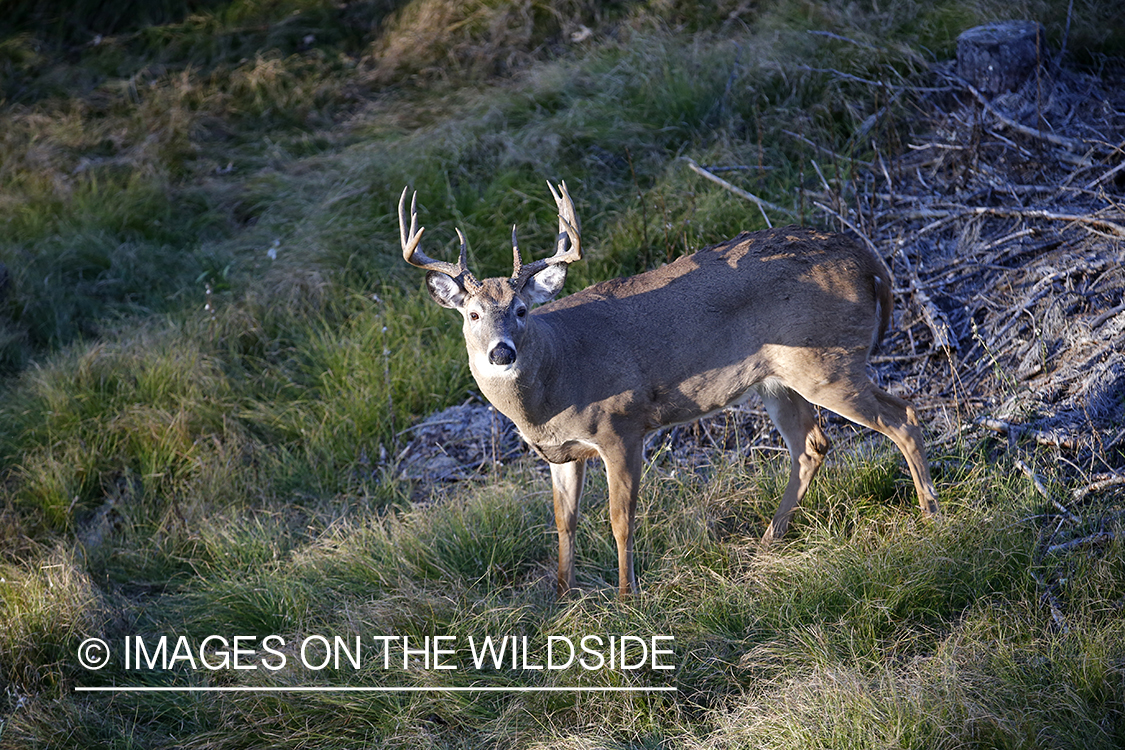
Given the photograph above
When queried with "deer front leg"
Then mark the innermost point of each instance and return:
(623, 468)
(566, 486)
(797, 423)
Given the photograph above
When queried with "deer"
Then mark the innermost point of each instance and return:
(789, 313)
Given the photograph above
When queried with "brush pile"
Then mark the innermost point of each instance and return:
(1004, 225)
(1004, 222)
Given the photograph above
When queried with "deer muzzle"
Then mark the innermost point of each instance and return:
(503, 353)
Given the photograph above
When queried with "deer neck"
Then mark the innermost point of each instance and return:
(523, 394)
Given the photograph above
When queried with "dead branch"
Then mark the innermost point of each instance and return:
(762, 204)
(1048, 596)
(1067, 143)
(1106, 176)
(1097, 486)
(827, 151)
(1016, 431)
(1042, 490)
(1112, 313)
(1012, 213)
(1099, 538)
(844, 220)
(934, 318)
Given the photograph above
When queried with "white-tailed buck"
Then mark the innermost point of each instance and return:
(789, 313)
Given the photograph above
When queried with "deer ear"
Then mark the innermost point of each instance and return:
(445, 290)
(543, 286)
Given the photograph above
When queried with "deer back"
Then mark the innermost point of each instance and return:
(693, 336)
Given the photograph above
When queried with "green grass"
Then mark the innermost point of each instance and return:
(211, 348)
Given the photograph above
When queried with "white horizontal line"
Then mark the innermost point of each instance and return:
(366, 689)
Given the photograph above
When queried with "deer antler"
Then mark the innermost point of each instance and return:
(415, 257)
(568, 245)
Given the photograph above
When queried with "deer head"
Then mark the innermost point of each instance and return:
(495, 311)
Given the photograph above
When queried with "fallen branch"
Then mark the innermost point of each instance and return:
(1100, 485)
(1098, 538)
(1042, 490)
(1068, 143)
(1016, 431)
(1106, 176)
(1011, 213)
(843, 220)
(827, 151)
(934, 318)
(762, 204)
(1048, 597)
(1096, 322)
(1037, 213)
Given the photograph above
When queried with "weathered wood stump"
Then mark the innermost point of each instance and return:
(999, 57)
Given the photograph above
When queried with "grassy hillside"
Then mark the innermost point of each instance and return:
(211, 349)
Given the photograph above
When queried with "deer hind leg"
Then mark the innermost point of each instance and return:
(623, 469)
(566, 486)
(797, 423)
(871, 406)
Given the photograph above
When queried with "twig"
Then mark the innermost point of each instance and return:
(1010, 238)
(1018, 213)
(1106, 316)
(735, 168)
(1052, 602)
(839, 38)
(1011, 213)
(1042, 490)
(827, 151)
(1106, 176)
(762, 204)
(1038, 213)
(1066, 31)
(1067, 143)
(848, 224)
(820, 174)
(1099, 486)
(878, 359)
(1043, 437)
(896, 87)
(1098, 538)
(934, 318)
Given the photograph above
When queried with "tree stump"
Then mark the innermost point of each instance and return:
(998, 57)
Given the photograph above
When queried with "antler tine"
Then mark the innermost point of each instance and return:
(463, 262)
(568, 246)
(568, 226)
(415, 257)
(517, 259)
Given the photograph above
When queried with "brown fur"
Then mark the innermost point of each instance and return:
(790, 313)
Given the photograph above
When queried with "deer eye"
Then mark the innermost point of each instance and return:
(521, 312)
(474, 316)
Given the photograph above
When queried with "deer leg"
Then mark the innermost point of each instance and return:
(890, 415)
(907, 435)
(566, 485)
(623, 469)
(797, 423)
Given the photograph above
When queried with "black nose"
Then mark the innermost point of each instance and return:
(502, 354)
